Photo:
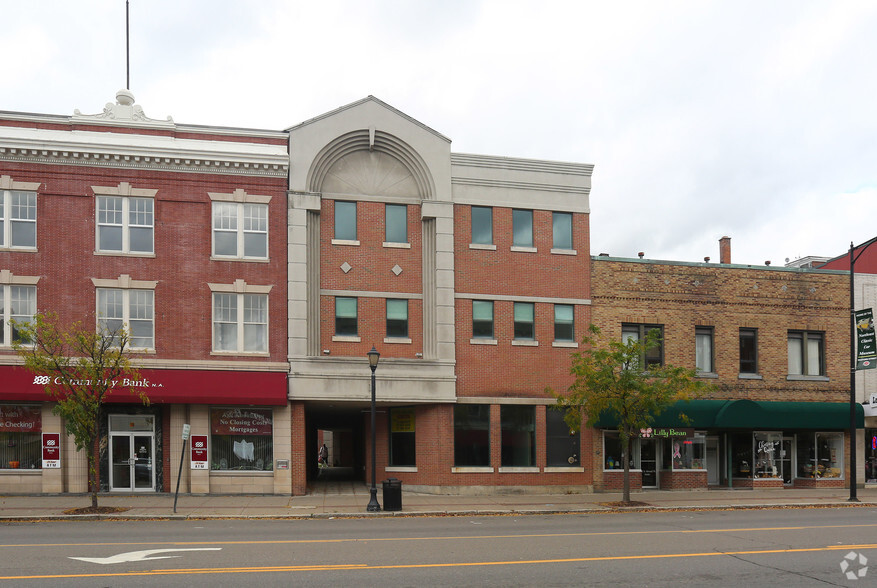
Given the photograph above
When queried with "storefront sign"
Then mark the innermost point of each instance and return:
(20, 419)
(402, 420)
(199, 452)
(51, 451)
(866, 357)
(240, 421)
(666, 433)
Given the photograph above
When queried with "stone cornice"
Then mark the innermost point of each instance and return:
(527, 165)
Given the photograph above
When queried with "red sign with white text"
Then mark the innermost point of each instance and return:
(51, 451)
(199, 452)
(20, 419)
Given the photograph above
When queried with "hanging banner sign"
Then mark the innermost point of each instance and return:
(199, 452)
(20, 419)
(866, 357)
(51, 451)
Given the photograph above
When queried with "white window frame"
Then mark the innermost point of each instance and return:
(128, 195)
(7, 189)
(803, 355)
(239, 291)
(241, 201)
(704, 337)
(8, 281)
(129, 289)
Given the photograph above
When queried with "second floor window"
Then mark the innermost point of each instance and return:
(240, 230)
(18, 304)
(806, 354)
(18, 219)
(522, 228)
(748, 351)
(125, 224)
(703, 349)
(131, 309)
(653, 356)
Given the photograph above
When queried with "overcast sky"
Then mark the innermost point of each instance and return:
(755, 120)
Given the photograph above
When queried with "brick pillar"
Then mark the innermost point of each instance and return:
(725, 250)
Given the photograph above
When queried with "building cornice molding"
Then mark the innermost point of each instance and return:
(518, 164)
(509, 185)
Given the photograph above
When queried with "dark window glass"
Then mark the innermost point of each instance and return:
(522, 227)
(563, 444)
(345, 316)
(397, 318)
(345, 221)
(471, 435)
(564, 323)
(748, 351)
(402, 437)
(653, 356)
(518, 432)
(482, 319)
(396, 221)
(562, 228)
(482, 225)
(524, 320)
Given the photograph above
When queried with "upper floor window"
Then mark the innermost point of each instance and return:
(18, 219)
(562, 230)
(703, 349)
(346, 316)
(18, 304)
(525, 320)
(133, 310)
(806, 353)
(482, 319)
(397, 318)
(522, 228)
(652, 356)
(240, 317)
(564, 324)
(482, 225)
(345, 221)
(748, 351)
(240, 230)
(396, 223)
(124, 224)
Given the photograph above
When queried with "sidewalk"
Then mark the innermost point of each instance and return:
(350, 500)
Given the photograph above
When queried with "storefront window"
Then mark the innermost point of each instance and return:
(612, 452)
(20, 443)
(472, 435)
(518, 432)
(870, 455)
(402, 440)
(241, 439)
(820, 455)
(563, 443)
(741, 455)
(688, 453)
(767, 455)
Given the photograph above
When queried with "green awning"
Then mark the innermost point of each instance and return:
(752, 414)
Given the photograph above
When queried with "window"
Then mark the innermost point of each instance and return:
(562, 228)
(685, 452)
(402, 441)
(471, 435)
(345, 316)
(396, 223)
(562, 443)
(125, 225)
(806, 354)
(18, 219)
(240, 322)
(524, 320)
(397, 318)
(768, 462)
(653, 356)
(612, 452)
(345, 221)
(821, 455)
(518, 432)
(703, 349)
(522, 228)
(19, 304)
(241, 439)
(748, 351)
(482, 319)
(20, 437)
(131, 309)
(240, 230)
(482, 225)
(564, 322)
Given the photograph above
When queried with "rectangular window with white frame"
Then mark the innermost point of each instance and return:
(240, 322)
(395, 224)
(482, 319)
(18, 219)
(125, 225)
(346, 316)
(133, 310)
(525, 320)
(18, 305)
(397, 319)
(806, 353)
(240, 230)
(564, 323)
(703, 350)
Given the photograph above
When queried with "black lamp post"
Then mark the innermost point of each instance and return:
(373, 506)
(853, 362)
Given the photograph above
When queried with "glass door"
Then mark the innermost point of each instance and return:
(132, 453)
(786, 460)
(120, 470)
(649, 463)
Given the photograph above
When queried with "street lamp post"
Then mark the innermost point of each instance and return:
(373, 506)
(853, 257)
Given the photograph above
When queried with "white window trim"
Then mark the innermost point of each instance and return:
(126, 284)
(239, 197)
(564, 252)
(8, 279)
(482, 246)
(240, 287)
(7, 186)
(519, 249)
(125, 192)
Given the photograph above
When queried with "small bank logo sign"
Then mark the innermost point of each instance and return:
(854, 566)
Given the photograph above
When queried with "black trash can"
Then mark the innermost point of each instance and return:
(392, 494)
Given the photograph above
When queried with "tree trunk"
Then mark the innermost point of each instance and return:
(625, 451)
(92, 458)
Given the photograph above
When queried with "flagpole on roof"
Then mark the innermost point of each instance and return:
(127, 51)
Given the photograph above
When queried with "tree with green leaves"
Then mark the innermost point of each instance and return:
(613, 381)
(82, 367)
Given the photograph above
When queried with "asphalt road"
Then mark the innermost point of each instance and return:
(772, 547)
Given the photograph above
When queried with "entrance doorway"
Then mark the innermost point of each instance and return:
(649, 462)
(132, 453)
(786, 454)
(712, 461)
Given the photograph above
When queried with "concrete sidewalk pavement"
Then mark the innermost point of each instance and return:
(350, 500)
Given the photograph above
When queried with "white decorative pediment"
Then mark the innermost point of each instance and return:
(124, 111)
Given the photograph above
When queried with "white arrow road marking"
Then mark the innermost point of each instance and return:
(140, 555)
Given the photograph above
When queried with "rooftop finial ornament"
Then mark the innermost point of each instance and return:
(123, 111)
